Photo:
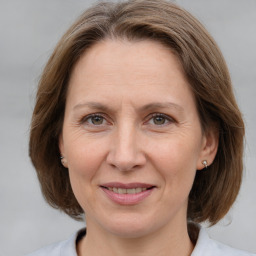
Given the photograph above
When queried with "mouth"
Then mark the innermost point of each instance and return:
(127, 190)
(127, 194)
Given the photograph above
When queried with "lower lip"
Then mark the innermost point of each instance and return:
(127, 199)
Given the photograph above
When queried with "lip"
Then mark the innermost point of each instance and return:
(127, 185)
(127, 199)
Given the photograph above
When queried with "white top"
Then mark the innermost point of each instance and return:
(205, 246)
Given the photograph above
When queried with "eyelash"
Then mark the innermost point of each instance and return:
(167, 119)
(88, 117)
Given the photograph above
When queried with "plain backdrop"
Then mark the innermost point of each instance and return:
(29, 29)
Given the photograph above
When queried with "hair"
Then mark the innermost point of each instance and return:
(215, 190)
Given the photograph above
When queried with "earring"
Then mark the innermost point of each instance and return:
(63, 161)
(205, 164)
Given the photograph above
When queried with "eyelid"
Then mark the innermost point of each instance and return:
(84, 119)
(168, 118)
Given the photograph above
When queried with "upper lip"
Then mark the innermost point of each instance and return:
(127, 185)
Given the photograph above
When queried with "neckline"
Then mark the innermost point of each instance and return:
(193, 231)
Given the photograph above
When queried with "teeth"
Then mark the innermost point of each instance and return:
(131, 191)
(138, 190)
(121, 191)
(127, 191)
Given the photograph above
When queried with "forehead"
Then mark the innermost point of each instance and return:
(146, 68)
(126, 56)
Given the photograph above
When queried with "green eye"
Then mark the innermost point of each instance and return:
(159, 120)
(96, 120)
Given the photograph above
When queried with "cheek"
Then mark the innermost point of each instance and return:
(84, 161)
(176, 162)
(85, 156)
(176, 154)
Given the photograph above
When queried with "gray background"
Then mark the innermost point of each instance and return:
(29, 29)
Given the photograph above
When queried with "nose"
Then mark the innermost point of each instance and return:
(126, 152)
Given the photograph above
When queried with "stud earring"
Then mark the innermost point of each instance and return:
(63, 161)
(205, 164)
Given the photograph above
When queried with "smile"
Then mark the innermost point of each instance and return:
(127, 194)
(126, 191)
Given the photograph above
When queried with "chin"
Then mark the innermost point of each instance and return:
(129, 232)
(130, 226)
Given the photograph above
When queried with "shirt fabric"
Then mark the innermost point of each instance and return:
(205, 246)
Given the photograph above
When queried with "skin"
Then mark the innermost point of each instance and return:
(147, 130)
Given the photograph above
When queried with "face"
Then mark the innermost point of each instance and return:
(131, 138)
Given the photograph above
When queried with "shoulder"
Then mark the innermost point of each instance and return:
(63, 248)
(206, 246)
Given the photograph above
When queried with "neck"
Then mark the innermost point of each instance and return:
(163, 242)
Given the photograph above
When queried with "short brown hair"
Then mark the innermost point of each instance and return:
(214, 190)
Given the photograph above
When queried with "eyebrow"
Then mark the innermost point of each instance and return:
(92, 105)
(147, 107)
(161, 105)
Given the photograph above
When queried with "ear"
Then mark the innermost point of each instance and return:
(209, 148)
(62, 151)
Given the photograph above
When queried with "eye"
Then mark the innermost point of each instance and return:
(160, 119)
(95, 119)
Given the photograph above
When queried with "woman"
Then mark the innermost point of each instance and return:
(136, 125)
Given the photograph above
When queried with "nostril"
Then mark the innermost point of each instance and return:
(125, 159)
